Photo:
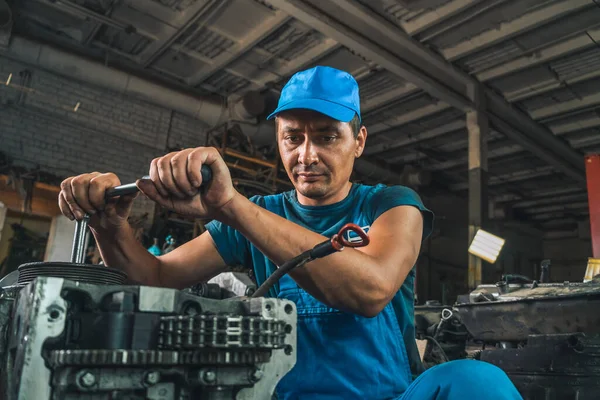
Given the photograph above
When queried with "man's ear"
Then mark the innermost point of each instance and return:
(361, 140)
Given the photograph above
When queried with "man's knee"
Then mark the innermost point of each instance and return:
(463, 379)
(478, 374)
(479, 370)
(475, 374)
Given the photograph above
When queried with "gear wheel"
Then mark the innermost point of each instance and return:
(60, 358)
(221, 331)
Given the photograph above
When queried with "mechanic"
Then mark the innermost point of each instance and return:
(355, 307)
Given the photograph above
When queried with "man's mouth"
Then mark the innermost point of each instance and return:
(309, 177)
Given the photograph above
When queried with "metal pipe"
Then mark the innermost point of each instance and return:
(254, 173)
(210, 110)
(79, 241)
(241, 156)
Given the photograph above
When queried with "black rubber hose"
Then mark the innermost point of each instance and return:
(320, 250)
(281, 271)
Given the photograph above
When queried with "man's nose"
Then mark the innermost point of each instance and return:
(308, 153)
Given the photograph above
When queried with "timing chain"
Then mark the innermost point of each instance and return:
(221, 331)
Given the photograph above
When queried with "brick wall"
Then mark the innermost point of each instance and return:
(108, 132)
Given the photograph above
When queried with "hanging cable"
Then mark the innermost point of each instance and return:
(323, 249)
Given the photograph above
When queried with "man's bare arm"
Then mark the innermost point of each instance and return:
(360, 280)
(195, 261)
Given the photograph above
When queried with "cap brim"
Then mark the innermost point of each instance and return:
(332, 110)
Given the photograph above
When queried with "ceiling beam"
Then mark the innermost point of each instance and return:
(568, 198)
(403, 119)
(437, 15)
(507, 30)
(199, 13)
(380, 41)
(554, 208)
(262, 77)
(87, 14)
(565, 107)
(372, 46)
(154, 9)
(386, 98)
(540, 194)
(534, 137)
(547, 86)
(538, 150)
(509, 178)
(453, 23)
(573, 126)
(407, 140)
(536, 57)
(557, 223)
(496, 152)
(560, 215)
(241, 47)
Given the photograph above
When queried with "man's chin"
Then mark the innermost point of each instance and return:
(312, 190)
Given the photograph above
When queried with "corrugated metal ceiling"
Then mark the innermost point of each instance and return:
(248, 45)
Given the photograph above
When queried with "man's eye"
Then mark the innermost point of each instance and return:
(293, 139)
(328, 138)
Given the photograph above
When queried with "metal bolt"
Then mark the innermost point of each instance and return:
(256, 375)
(209, 376)
(152, 378)
(88, 379)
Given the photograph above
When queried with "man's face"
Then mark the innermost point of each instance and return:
(318, 152)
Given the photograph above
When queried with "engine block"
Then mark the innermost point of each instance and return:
(65, 339)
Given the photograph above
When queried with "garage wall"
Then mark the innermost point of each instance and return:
(568, 258)
(68, 127)
(443, 265)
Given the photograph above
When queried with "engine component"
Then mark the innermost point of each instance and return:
(562, 366)
(545, 336)
(65, 339)
(85, 273)
(511, 312)
(445, 334)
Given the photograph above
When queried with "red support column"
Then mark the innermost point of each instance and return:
(592, 164)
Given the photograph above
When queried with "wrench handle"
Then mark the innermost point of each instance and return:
(131, 188)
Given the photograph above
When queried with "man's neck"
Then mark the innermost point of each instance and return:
(325, 201)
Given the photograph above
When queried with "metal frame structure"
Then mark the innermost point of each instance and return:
(537, 62)
(380, 41)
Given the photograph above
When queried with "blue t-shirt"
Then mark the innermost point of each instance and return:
(339, 354)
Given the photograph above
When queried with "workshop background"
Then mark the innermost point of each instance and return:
(487, 108)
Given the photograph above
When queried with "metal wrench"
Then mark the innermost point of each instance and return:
(80, 237)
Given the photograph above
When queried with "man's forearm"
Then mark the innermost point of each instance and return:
(121, 250)
(346, 280)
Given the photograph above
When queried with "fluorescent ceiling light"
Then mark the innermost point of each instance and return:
(486, 246)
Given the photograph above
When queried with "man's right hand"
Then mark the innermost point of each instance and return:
(84, 194)
(175, 181)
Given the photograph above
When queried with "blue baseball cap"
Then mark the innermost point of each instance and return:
(326, 90)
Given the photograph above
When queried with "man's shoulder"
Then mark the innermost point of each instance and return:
(381, 191)
(381, 198)
(271, 200)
